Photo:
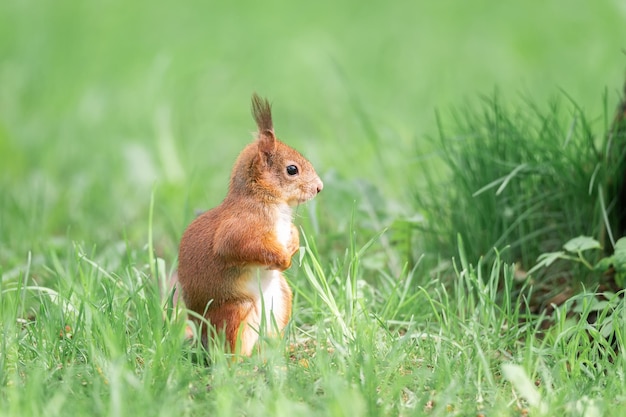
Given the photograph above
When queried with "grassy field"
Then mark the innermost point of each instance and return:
(119, 120)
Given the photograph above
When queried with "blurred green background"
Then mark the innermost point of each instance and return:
(101, 102)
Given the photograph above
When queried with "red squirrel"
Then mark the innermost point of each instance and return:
(231, 257)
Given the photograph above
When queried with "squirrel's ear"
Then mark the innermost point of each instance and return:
(262, 112)
(267, 145)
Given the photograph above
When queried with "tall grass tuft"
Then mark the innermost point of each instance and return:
(526, 177)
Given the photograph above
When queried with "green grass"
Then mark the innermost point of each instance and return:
(105, 107)
(523, 175)
(101, 345)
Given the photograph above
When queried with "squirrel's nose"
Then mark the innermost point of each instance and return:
(320, 186)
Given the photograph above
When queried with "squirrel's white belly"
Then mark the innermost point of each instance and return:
(283, 225)
(265, 284)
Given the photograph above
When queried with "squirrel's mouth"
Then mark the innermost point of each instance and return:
(300, 199)
(296, 201)
(306, 194)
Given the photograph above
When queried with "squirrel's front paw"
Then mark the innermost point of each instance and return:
(294, 241)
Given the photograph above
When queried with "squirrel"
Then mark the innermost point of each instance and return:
(231, 257)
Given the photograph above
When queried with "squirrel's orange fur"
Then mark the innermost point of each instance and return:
(231, 257)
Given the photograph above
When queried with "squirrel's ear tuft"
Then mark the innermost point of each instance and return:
(262, 112)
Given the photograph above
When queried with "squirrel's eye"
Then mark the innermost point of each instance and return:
(292, 169)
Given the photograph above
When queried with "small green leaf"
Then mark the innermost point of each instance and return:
(599, 305)
(620, 245)
(604, 264)
(619, 256)
(581, 243)
(607, 327)
(546, 259)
